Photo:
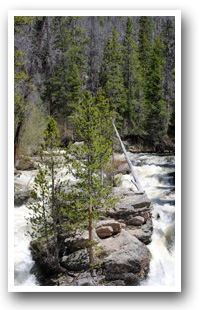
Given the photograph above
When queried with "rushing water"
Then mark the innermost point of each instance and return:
(156, 174)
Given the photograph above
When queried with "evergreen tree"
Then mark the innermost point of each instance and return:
(155, 104)
(144, 42)
(133, 83)
(111, 74)
(40, 217)
(51, 145)
(90, 196)
(45, 218)
(65, 87)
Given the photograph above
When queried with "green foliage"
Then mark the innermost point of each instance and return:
(90, 197)
(45, 213)
(20, 21)
(111, 74)
(155, 104)
(64, 90)
(134, 111)
(31, 138)
(144, 42)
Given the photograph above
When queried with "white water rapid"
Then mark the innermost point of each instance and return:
(156, 174)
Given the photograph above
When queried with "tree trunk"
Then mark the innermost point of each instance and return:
(54, 215)
(90, 220)
(136, 181)
(17, 142)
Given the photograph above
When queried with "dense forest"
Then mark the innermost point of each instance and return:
(58, 59)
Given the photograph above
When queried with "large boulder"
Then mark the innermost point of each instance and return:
(125, 258)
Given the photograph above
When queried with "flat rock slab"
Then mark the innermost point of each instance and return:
(130, 204)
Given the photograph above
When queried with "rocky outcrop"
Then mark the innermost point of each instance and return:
(121, 255)
(21, 197)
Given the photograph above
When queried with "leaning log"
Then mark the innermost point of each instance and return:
(135, 180)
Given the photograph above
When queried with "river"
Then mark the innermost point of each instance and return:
(156, 174)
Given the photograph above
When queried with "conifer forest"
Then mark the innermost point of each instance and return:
(58, 59)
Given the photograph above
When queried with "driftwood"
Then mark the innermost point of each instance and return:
(135, 180)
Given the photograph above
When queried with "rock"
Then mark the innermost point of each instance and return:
(21, 197)
(135, 220)
(125, 258)
(107, 228)
(105, 231)
(132, 208)
(122, 168)
(143, 233)
(76, 261)
(25, 163)
(77, 241)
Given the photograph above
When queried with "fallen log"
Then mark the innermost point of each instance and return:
(135, 180)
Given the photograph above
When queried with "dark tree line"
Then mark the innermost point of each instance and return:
(57, 59)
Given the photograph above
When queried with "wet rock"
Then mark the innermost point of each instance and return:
(143, 233)
(21, 197)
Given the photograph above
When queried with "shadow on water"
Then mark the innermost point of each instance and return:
(144, 163)
(166, 188)
(163, 202)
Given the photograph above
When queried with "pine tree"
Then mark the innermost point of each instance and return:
(155, 104)
(90, 196)
(64, 89)
(144, 42)
(45, 218)
(40, 217)
(111, 74)
(132, 82)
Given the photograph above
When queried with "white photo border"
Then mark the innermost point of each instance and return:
(177, 15)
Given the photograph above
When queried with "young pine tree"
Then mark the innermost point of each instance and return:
(90, 195)
(40, 217)
(45, 219)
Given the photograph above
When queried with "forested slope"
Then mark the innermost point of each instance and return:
(57, 59)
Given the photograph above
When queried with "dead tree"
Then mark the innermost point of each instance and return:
(135, 180)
